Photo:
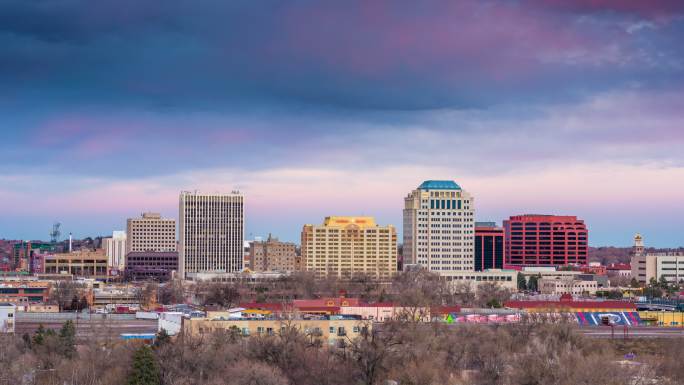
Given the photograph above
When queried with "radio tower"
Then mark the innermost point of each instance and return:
(55, 233)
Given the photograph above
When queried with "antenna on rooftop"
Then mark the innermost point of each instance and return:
(55, 233)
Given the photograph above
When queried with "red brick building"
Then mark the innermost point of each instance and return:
(24, 292)
(545, 240)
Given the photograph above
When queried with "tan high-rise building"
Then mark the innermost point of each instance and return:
(439, 228)
(272, 255)
(150, 232)
(211, 233)
(345, 246)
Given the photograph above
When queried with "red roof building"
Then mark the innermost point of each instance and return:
(589, 269)
(326, 302)
(379, 311)
(571, 306)
(619, 266)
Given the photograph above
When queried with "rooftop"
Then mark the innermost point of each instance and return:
(569, 304)
(439, 185)
(363, 222)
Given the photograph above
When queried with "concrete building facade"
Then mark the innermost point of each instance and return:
(151, 265)
(82, 263)
(545, 240)
(670, 266)
(23, 292)
(344, 246)
(567, 286)
(115, 249)
(272, 255)
(211, 232)
(332, 331)
(7, 317)
(503, 278)
(150, 232)
(439, 228)
(654, 266)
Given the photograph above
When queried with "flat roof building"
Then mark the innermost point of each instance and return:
(82, 263)
(503, 278)
(159, 266)
(545, 240)
(344, 246)
(24, 291)
(489, 246)
(7, 317)
(559, 286)
(654, 266)
(211, 231)
(115, 249)
(439, 228)
(332, 330)
(272, 255)
(150, 232)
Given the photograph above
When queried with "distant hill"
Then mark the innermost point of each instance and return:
(609, 254)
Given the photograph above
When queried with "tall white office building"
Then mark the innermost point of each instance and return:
(439, 228)
(211, 232)
(115, 249)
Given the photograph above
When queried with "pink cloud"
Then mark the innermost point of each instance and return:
(61, 129)
(649, 8)
(375, 39)
(86, 135)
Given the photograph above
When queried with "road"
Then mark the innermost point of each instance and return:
(87, 329)
(633, 332)
(95, 327)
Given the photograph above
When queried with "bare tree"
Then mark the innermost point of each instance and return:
(491, 294)
(64, 292)
(171, 292)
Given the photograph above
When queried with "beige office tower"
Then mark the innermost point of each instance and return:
(272, 255)
(211, 232)
(439, 228)
(345, 246)
(150, 232)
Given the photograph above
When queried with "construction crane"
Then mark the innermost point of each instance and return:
(55, 233)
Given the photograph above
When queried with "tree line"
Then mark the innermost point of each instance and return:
(411, 288)
(402, 353)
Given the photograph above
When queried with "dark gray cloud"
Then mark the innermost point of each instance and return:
(350, 55)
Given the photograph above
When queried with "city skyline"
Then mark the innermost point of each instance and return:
(296, 235)
(313, 109)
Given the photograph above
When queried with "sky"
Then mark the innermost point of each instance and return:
(316, 108)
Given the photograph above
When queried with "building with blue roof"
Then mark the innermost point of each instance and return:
(439, 228)
(439, 185)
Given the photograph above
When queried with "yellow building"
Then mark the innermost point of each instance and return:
(330, 331)
(345, 246)
(245, 313)
(663, 318)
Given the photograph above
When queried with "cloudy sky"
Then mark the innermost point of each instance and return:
(315, 108)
